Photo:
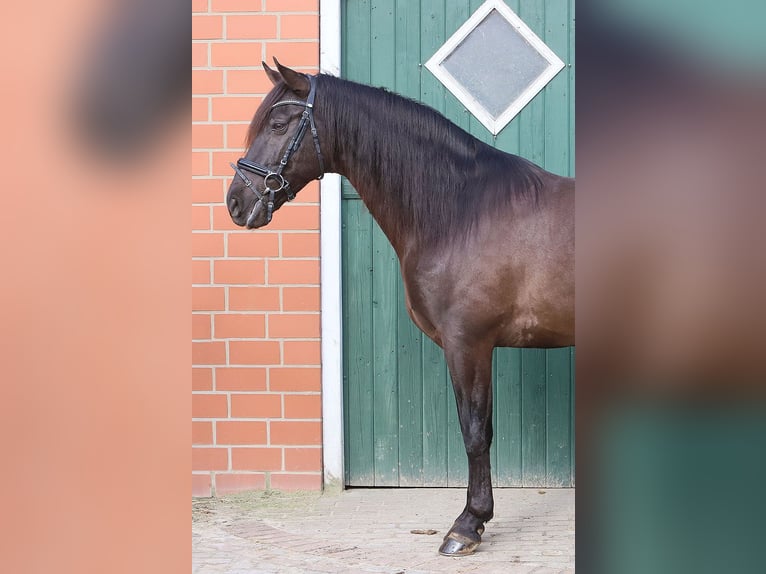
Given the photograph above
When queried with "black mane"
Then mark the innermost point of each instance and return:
(428, 168)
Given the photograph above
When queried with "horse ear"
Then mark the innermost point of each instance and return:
(272, 74)
(296, 81)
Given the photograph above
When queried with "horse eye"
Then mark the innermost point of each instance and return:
(278, 126)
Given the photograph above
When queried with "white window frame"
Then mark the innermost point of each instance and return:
(494, 124)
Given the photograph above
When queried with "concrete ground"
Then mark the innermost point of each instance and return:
(371, 530)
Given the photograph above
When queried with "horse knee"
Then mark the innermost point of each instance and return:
(476, 449)
(477, 443)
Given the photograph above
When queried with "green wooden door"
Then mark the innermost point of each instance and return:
(400, 419)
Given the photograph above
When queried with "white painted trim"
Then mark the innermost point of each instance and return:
(494, 124)
(330, 251)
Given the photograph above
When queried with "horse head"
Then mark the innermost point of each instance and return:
(283, 152)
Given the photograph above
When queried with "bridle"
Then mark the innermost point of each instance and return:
(274, 181)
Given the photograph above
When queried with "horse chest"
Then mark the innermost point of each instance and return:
(445, 308)
(419, 315)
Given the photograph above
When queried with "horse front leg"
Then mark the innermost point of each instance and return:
(471, 372)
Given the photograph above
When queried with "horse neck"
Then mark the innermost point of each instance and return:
(423, 179)
(360, 153)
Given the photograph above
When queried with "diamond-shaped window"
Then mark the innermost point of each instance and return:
(494, 64)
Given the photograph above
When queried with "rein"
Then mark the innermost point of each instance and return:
(274, 181)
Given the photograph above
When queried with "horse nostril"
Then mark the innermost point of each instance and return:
(234, 208)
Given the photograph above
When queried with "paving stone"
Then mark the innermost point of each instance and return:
(368, 530)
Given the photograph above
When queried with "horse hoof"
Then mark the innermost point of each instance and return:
(457, 545)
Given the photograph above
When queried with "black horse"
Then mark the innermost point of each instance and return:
(485, 239)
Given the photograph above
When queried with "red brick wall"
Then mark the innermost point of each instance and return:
(256, 405)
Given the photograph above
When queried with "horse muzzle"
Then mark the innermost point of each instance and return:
(257, 207)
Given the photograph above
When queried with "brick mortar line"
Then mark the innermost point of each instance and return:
(262, 365)
(243, 69)
(243, 471)
(226, 91)
(250, 258)
(254, 67)
(243, 365)
(209, 177)
(292, 285)
(229, 96)
(254, 312)
(245, 41)
(258, 13)
(248, 312)
(259, 393)
(266, 232)
(258, 340)
(215, 150)
(262, 285)
(254, 340)
(289, 313)
(246, 232)
(221, 123)
(242, 285)
(227, 341)
(274, 232)
(256, 420)
(265, 313)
